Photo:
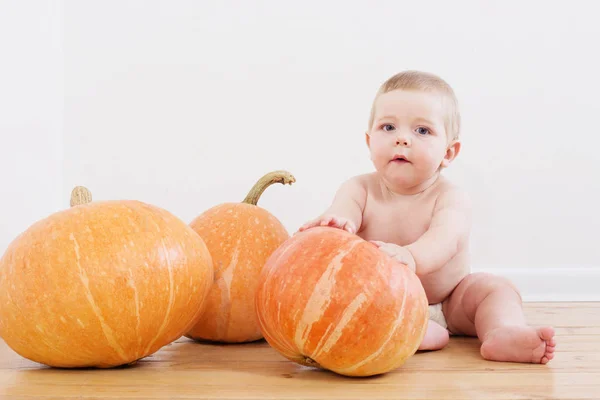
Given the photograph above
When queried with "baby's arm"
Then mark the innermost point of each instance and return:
(346, 209)
(450, 225)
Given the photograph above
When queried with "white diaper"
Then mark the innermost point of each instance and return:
(436, 314)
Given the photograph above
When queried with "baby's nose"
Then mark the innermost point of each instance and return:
(402, 141)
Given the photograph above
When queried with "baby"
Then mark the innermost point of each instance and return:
(414, 214)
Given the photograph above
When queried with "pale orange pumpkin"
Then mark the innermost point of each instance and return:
(240, 238)
(329, 299)
(101, 284)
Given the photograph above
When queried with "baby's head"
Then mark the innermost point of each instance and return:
(424, 82)
(413, 129)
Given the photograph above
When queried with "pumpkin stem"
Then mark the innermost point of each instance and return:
(80, 195)
(309, 362)
(257, 190)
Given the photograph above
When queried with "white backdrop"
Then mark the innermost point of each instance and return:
(31, 113)
(185, 104)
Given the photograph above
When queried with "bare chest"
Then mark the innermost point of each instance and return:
(401, 222)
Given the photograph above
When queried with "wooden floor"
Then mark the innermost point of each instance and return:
(191, 370)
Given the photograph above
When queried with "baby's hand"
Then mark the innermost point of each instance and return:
(398, 253)
(332, 221)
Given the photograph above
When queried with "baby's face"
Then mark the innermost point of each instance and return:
(408, 140)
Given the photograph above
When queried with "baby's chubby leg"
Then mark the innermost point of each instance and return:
(490, 307)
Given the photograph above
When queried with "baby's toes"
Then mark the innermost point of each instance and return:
(544, 360)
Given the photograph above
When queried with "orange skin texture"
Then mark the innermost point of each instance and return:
(101, 285)
(240, 238)
(330, 299)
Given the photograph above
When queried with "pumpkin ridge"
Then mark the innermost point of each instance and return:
(378, 352)
(226, 278)
(136, 298)
(171, 296)
(320, 298)
(106, 329)
(344, 320)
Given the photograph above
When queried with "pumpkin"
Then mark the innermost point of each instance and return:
(240, 238)
(101, 284)
(331, 300)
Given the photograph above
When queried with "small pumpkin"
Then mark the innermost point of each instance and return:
(101, 284)
(329, 299)
(240, 238)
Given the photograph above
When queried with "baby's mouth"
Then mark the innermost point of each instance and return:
(400, 160)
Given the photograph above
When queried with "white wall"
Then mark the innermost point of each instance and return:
(31, 111)
(185, 104)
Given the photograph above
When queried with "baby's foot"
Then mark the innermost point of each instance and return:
(436, 337)
(519, 344)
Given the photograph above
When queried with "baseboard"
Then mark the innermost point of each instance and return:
(580, 283)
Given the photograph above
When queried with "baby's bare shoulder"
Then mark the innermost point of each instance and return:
(449, 192)
(453, 202)
(359, 183)
(355, 188)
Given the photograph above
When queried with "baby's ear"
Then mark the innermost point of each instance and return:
(451, 153)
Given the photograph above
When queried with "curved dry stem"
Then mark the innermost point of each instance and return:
(267, 180)
(309, 362)
(80, 195)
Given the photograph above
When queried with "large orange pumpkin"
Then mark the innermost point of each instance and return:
(240, 238)
(329, 299)
(101, 284)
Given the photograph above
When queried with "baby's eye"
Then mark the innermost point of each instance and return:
(387, 127)
(422, 130)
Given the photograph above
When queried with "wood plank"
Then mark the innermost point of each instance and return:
(192, 370)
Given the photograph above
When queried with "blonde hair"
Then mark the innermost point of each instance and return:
(424, 81)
